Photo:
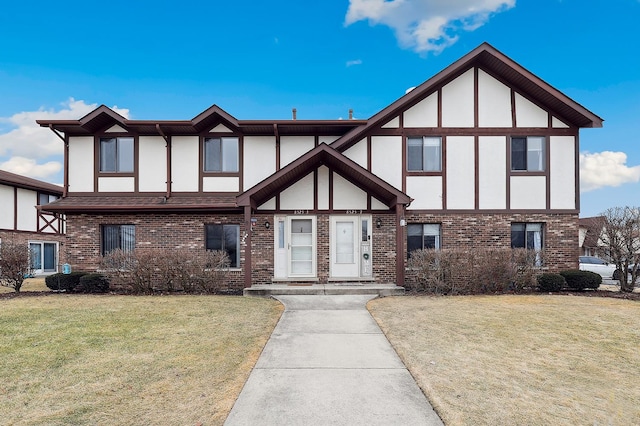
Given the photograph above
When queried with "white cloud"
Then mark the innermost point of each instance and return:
(426, 25)
(354, 62)
(607, 168)
(27, 139)
(29, 167)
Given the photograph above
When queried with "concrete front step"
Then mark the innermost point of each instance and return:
(268, 290)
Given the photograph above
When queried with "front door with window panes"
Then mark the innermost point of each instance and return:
(301, 246)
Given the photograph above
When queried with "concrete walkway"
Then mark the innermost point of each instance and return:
(328, 363)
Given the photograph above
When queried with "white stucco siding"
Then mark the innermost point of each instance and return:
(81, 164)
(327, 139)
(460, 172)
(394, 123)
(358, 153)
(299, 196)
(529, 114)
(152, 165)
(492, 172)
(457, 101)
(6, 212)
(259, 159)
(185, 163)
(116, 184)
(27, 215)
(346, 195)
(528, 192)
(494, 102)
(220, 128)
(220, 184)
(386, 159)
(115, 129)
(292, 147)
(323, 188)
(422, 114)
(426, 192)
(562, 172)
(269, 205)
(558, 124)
(378, 205)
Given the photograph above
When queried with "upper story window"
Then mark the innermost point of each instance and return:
(527, 153)
(116, 154)
(421, 236)
(44, 199)
(221, 154)
(424, 154)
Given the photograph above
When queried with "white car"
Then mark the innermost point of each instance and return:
(599, 266)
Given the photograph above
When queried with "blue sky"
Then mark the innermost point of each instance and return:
(258, 59)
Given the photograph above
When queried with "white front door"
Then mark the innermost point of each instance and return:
(301, 246)
(350, 246)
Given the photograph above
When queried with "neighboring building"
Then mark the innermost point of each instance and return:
(22, 221)
(483, 154)
(590, 242)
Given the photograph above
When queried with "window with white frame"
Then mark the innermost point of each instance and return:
(422, 236)
(115, 237)
(221, 154)
(424, 154)
(528, 153)
(116, 154)
(225, 238)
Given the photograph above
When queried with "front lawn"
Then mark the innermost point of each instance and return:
(135, 360)
(515, 360)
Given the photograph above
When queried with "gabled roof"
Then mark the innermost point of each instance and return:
(103, 117)
(323, 154)
(19, 181)
(490, 59)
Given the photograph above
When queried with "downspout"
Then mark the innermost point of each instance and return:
(400, 244)
(65, 176)
(247, 247)
(167, 139)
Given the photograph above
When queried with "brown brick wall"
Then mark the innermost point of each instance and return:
(560, 235)
(175, 231)
(23, 237)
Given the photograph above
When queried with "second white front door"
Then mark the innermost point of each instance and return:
(350, 242)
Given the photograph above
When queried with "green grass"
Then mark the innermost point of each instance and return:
(514, 360)
(170, 360)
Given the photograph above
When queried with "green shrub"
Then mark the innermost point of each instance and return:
(93, 283)
(64, 282)
(580, 280)
(551, 282)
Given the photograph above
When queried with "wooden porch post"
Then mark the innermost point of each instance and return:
(399, 245)
(247, 247)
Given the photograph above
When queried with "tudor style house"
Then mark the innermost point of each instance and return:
(22, 221)
(482, 154)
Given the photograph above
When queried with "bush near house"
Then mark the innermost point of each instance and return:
(147, 271)
(580, 280)
(14, 264)
(480, 271)
(551, 282)
(64, 282)
(93, 283)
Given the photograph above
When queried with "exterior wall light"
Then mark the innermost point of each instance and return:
(378, 223)
(267, 225)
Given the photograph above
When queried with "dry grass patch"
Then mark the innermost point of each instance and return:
(534, 360)
(170, 360)
(30, 284)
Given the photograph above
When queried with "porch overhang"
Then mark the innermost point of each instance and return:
(323, 155)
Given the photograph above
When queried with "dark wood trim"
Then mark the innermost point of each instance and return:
(399, 245)
(476, 97)
(65, 177)
(547, 171)
(405, 172)
(440, 107)
(508, 172)
(576, 144)
(514, 118)
(315, 189)
(475, 131)
(15, 208)
(443, 168)
(169, 163)
(247, 247)
(476, 162)
(330, 184)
